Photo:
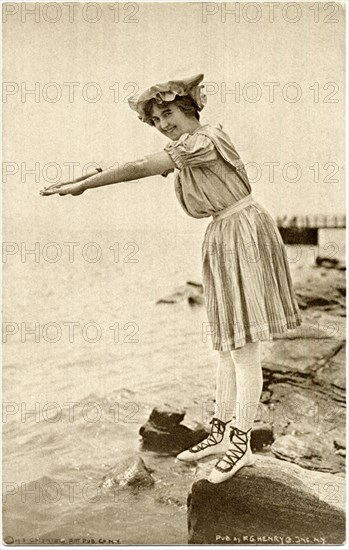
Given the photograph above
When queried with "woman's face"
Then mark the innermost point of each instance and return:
(172, 122)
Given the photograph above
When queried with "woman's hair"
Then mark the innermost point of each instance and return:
(184, 103)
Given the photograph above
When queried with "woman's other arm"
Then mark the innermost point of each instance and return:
(149, 165)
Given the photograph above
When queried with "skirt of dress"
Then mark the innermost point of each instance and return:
(247, 282)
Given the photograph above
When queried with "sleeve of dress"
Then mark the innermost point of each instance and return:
(192, 150)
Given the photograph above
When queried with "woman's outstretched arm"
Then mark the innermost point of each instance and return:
(150, 165)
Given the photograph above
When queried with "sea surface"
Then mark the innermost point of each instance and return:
(87, 354)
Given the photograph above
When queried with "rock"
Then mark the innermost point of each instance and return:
(309, 329)
(311, 422)
(306, 381)
(191, 292)
(340, 443)
(301, 303)
(342, 452)
(271, 499)
(331, 376)
(323, 261)
(166, 416)
(311, 299)
(164, 433)
(196, 300)
(295, 449)
(330, 263)
(342, 290)
(196, 285)
(294, 359)
(131, 472)
(261, 436)
(322, 294)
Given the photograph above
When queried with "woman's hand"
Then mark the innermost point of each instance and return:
(67, 188)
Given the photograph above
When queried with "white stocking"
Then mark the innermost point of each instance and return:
(225, 387)
(249, 384)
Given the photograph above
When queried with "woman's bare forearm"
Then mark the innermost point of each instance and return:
(82, 178)
(141, 168)
(127, 171)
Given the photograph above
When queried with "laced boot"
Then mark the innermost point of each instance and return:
(214, 443)
(238, 455)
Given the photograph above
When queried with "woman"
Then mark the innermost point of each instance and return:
(247, 284)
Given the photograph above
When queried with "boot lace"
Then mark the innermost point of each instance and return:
(215, 436)
(232, 456)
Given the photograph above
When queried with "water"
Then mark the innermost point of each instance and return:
(77, 391)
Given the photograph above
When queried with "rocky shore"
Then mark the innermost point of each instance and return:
(270, 502)
(296, 489)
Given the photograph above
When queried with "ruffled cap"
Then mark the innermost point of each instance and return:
(167, 92)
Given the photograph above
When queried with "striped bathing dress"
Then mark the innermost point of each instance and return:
(246, 277)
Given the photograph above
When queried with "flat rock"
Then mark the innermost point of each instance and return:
(322, 293)
(319, 365)
(298, 356)
(310, 300)
(301, 450)
(192, 293)
(311, 421)
(271, 498)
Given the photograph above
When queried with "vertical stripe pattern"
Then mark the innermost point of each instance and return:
(246, 278)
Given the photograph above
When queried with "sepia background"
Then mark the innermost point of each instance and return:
(275, 80)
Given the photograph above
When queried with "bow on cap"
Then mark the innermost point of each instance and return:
(167, 92)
